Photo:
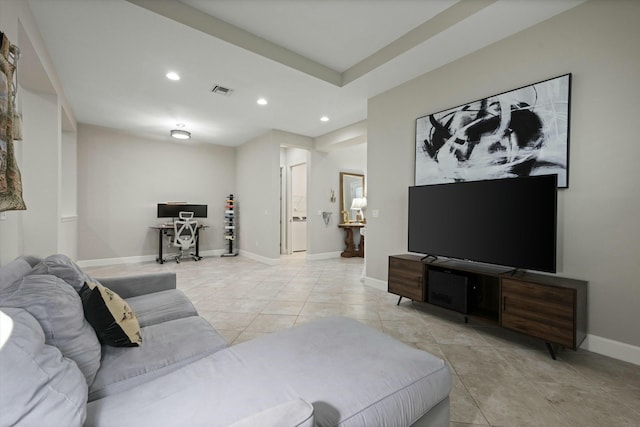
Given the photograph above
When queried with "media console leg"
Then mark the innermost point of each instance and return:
(552, 352)
(399, 299)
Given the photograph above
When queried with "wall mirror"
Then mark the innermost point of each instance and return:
(351, 187)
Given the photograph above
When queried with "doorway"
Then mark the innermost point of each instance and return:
(294, 183)
(298, 217)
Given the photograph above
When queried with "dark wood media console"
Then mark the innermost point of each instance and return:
(551, 308)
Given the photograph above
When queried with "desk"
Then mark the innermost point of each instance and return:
(166, 229)
(350, 247)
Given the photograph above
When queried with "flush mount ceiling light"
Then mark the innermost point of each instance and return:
(262, 101)
(324, 119)
(180, 134)
(171, 75)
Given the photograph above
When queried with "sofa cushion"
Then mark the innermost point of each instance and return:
(62, 266)
(12, 273)
(111, 317)
(295, 413)
(167, 346)
(353, 375)
(205, 391)
(38, 385)
(58, 309)
(158, 307)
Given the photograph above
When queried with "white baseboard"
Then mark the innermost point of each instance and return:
(216, 252)
(136, 259)
(260, 258)
(375, 283)
(324, 255)
(616, 349)
(114, 261)
(213, 252)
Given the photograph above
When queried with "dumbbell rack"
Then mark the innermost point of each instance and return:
(230, 225)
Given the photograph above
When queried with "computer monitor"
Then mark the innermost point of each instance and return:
(172, 210)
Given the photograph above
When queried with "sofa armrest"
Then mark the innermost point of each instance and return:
(133, 286)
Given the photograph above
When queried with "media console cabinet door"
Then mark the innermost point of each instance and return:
(541, 311)
(406, 277)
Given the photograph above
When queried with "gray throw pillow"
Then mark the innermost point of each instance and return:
(58, 309)
(62, 266)
(39, 386)
(11, 273)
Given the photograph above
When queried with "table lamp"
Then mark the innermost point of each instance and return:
(357, 204)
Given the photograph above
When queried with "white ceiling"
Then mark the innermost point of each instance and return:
(320, 30)
(308, 58)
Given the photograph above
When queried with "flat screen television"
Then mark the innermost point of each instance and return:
(509, 222)
(172, 210)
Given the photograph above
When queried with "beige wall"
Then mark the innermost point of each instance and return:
(258, 184)
(599, 229)
(121, 178)
(599, 214)
(325, 175)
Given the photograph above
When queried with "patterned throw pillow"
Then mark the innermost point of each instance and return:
(111, 317)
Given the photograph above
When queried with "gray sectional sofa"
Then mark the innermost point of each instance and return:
(55, 371)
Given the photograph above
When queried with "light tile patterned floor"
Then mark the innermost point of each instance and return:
(499, 378)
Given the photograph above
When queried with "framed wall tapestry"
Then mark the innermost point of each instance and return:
(10, 179)
(517, 133)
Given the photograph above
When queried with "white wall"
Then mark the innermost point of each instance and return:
(599, 226)
(41, 178)
(68, 241)
(40, 99)
(121, 178)
(355, 134)
(258, 197)
(69, 175)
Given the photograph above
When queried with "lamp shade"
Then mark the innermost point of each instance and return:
(358, 203)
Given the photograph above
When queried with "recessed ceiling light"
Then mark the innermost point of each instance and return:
(180, 134)
(262, 101)
(173, 75)
(324, 119)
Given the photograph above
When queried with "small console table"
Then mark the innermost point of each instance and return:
(551, 308)
(350, 246)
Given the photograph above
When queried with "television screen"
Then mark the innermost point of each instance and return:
(510, 222)
(172, 210)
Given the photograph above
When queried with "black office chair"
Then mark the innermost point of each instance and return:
(184, 234)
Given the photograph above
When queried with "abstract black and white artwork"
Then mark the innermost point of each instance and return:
(517, 133)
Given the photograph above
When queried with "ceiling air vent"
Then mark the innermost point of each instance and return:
(221, 90)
